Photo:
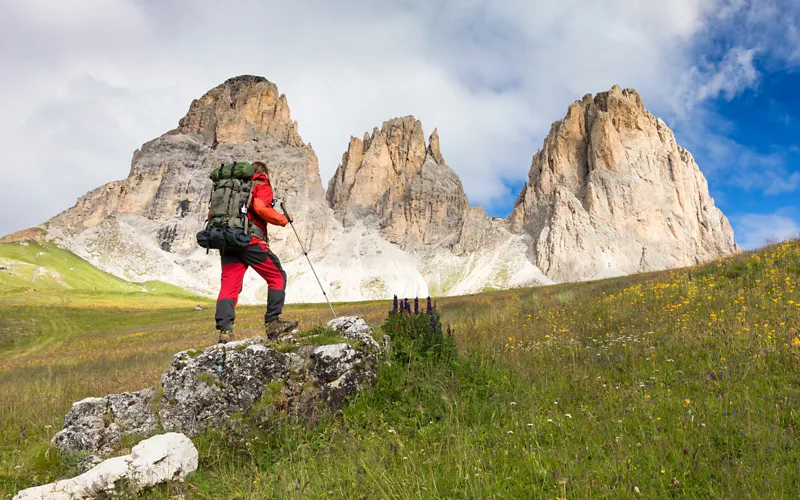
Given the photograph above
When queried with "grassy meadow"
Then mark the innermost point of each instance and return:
(676, 384)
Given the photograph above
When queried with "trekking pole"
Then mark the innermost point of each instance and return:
(303, 248)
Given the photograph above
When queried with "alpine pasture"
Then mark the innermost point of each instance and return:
(675, 384)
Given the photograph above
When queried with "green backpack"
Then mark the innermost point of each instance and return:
(227, 225)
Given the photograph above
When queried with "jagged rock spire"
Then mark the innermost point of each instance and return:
(243, 108)
(392, 179)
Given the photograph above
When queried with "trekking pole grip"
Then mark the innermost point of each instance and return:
(286, 212)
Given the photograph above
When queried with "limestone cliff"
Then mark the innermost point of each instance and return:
(393, 180)
(611, 193)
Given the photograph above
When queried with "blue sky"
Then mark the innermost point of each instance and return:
(760, 175)
(86, 82)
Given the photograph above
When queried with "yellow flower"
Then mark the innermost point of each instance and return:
(687, 401)
(796, 342)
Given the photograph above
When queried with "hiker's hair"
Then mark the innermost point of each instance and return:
(260, 167)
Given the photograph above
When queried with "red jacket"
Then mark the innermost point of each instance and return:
(261, 212)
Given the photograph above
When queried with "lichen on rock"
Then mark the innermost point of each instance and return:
(205, 388)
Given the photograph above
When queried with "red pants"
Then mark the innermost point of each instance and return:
(235, 262)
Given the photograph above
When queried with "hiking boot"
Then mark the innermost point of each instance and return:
(225, 336)
(277, 327)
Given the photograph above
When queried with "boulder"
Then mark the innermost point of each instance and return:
(355, 328)
(97, 424)
(205, 388)
(167, 457)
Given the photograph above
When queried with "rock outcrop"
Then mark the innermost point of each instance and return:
(393, 180)
(612, 193)
(159, 459)
(211, 387)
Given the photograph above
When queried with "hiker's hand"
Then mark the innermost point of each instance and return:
(286, 212)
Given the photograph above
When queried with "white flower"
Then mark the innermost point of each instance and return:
(549, 419)
(510, 432)
(392, 431)
(513, 403)
(555, 402)
(530, 425)
(619, 421)
(568, 415)
(405, 458)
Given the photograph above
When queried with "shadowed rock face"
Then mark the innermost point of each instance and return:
(246, 378)
(612, 193)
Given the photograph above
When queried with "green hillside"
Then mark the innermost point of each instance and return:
(675, 384)
(32, 264)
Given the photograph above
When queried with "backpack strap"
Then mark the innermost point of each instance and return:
(247, 209)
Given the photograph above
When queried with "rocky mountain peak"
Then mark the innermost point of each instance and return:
(611, 192)
(241, 109)
(143, 227)
(394, 180)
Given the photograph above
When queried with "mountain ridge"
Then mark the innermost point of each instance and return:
(394, 217)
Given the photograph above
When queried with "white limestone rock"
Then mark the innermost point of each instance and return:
(612, 193)
(162, 458)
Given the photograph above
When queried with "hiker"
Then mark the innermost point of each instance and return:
(236, 260)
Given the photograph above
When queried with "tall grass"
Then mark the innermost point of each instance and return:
(674, 384)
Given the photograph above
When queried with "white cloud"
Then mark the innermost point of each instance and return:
(86, 84)
(755, 230)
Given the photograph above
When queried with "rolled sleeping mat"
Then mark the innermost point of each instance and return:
(238, 170)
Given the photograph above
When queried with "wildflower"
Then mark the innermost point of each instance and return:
(568, 415)
(796, 342)
(392, 431)
(550, 420)
(513, 403)
(687, 401)
(510, 432)
(530, 425)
